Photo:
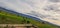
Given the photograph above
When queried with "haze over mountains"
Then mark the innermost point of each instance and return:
(47, 10)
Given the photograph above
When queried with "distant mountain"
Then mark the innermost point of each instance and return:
(46, 10)
(11, 17)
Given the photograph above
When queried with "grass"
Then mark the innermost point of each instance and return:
(8, 18)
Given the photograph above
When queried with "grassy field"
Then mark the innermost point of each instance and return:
(8, 18)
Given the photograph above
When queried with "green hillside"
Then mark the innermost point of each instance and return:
(8, 18)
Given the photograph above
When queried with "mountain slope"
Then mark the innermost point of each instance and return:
(9, 18)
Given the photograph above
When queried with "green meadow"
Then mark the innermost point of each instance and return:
(9, 18)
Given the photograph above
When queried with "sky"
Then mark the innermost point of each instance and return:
(47, 10)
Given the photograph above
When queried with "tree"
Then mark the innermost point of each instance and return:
(23, 21)
(28, 22)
